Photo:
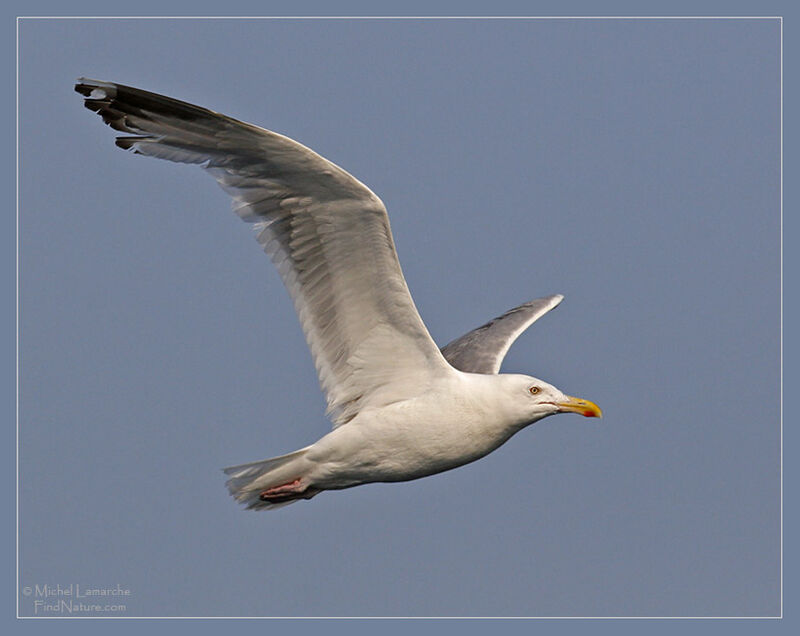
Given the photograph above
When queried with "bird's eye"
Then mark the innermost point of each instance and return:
(534, 390)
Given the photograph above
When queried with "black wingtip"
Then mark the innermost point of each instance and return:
(82, 86)
(126, 143)
(87, 87)
(130, 100)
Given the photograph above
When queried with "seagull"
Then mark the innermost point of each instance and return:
(401, 408)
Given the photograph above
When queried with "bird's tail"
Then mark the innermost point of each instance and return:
(250, 484)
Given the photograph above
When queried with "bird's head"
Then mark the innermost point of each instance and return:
(534, 399)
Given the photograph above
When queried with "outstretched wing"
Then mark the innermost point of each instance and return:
(482, 350)
(325, 231)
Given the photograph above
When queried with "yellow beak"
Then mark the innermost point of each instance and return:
(577, 405)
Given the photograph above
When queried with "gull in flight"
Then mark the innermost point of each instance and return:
(401, 407)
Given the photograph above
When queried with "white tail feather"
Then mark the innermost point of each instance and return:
(248, 481)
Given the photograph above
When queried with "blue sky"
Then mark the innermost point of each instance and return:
(631, 165)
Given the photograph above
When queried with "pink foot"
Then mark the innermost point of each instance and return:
(290, 490)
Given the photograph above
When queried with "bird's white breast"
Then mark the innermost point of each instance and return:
(456, 421)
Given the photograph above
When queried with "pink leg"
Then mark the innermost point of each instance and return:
(291, 490)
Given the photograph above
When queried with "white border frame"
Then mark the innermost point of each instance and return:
(401, 17)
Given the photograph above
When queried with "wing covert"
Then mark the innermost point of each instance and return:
(482, 350)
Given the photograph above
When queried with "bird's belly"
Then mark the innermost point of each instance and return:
(387, 449)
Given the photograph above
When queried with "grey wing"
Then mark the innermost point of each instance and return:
(325, 231)
(482, 350)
